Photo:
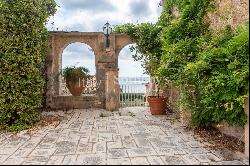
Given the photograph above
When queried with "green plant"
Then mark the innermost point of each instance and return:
(210, 70)
(23, 48)
(75, 73)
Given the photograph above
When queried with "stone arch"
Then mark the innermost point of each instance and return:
(106, 61)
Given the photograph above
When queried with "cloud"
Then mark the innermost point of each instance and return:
(140, 8)
(94, 5)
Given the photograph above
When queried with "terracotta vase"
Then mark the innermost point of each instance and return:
(157, 105)
(76, 88)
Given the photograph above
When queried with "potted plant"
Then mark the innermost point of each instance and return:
(76, 79)
(157, 103)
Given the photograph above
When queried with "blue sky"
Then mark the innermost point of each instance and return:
(90, 16)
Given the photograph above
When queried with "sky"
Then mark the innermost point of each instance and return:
(90, 16)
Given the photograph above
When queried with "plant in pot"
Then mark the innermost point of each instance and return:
(76, 79)
(157, 103)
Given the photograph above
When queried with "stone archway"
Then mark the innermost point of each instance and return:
(106, 61)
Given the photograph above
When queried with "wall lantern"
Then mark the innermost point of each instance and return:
(107, 30)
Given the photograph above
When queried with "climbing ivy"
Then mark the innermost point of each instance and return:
(210, 70)
(23, 47)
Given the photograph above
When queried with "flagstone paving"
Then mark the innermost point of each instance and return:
(97, 137)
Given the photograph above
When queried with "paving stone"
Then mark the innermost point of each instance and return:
(140, 152)
(69, 160)
(115, 145)
(123, 161)
(8, 151)
(139, 161)
(22, 152)
(93, 138)
(173, 160)
(55, 160)
(191, 160)
(3, 158)
(36, 160)
(65, 147)
(234, 162)
(207, 157)
(93, 159)
(196, 150)
(105, 137)
(117, 153)
(84, 148)
(100, 147)
(42, 152)
(155, 160)
(14, 161)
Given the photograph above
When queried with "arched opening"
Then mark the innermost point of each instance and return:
(78, 55)
(132, 79)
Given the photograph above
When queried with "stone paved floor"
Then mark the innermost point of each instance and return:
(132, 136)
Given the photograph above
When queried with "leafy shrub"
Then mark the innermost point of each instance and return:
(75, 73)
(210, 70)
(23, 48)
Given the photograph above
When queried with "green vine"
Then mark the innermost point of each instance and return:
(23, 47)
(210, 70)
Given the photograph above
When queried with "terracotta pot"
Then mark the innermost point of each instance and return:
(76, 88)
(157, 105)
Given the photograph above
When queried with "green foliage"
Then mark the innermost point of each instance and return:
(148, 44)
(75, 73)
(210, 70)
(23, 47)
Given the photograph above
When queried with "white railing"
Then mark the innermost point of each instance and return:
(133, 91)
(89, 90)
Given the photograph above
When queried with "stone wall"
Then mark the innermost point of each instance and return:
(228, 12)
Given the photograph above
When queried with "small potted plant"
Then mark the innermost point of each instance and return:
(157, 103)
(76, 79)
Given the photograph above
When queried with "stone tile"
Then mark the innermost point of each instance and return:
(3, 158)
(8, 151)
(42, 152)
(105, 137)
(115, 145)
(100, 147)
(36, 160)
(196, 150)
(14, 161)
(205, 158)
(191, 160)
(22, 152)
(234, 162)
(65, 147)
(84, 148)
(69, 160)
(91, 159)
(155, 160)
(93, 138)
(123, 161)
(55, 160)
(173, 160)
(141, 152)
(117, 153)
(139, 161)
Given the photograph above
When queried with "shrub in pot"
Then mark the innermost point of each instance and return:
(76, 79)
(157, 103)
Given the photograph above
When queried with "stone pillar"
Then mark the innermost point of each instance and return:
(247, 130)
(112, 90)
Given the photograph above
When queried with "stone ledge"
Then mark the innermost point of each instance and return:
(75, 102)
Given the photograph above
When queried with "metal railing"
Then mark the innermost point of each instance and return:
(133, 91)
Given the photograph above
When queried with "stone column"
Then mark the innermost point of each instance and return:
(247, 130)
(112, 90)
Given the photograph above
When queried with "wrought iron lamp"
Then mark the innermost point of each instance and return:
(107, 30)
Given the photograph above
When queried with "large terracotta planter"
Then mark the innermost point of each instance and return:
(76, 88)
(157, 105)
